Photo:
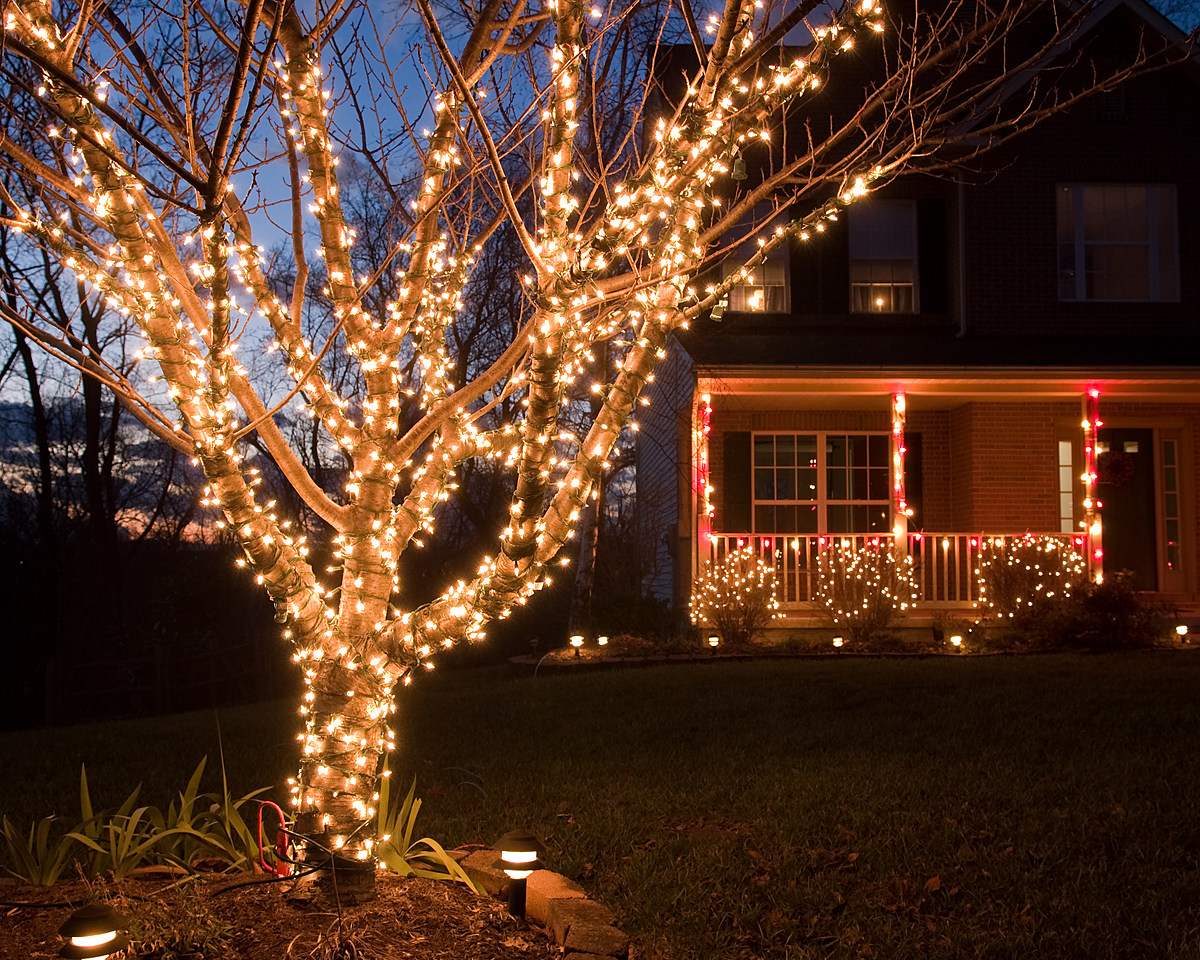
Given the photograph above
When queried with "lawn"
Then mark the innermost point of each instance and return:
(952, 807)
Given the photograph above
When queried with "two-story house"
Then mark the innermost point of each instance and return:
(1006, 351)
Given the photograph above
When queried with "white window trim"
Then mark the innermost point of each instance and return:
(822, 502)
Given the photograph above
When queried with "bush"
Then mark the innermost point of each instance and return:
(736, 595)
(1107, 616)
(861, 587)
(1018, 576)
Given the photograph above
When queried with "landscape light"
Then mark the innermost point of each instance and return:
(714, 641)
(1181, 631)
(577, 642)
(956, 640)
(838, 641)
(518, 859)
(602, 641)
(93, 933)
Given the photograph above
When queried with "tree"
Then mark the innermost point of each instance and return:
(173, 129)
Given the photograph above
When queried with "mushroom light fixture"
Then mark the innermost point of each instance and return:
(519, 851)
(93, 933)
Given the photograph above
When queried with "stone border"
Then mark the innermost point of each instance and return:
(583, 928)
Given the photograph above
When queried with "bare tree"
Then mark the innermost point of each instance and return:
(173, 130)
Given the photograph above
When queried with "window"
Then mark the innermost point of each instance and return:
(821, 483)
(1117, 242)
(1066, 486)
(764, 289)
(1171, 517)
(883, 256)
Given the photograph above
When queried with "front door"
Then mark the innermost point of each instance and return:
(1125, 488)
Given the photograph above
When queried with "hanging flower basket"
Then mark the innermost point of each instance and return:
(1115, 467)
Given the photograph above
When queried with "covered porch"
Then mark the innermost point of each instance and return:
(946, 466)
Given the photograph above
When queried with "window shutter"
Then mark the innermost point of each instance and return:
(912, 479)
(931, 256)
(735, 517)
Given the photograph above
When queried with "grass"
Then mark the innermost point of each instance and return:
(834, 808)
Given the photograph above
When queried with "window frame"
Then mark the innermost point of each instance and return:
(873, 264)
(822, 501)
(1162, 240)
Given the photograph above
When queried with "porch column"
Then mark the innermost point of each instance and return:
(900, 510)
(702, 506)
(1092, 524)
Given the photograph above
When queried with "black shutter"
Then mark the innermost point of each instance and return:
(931, 256)
(912, 479)
(735, 517)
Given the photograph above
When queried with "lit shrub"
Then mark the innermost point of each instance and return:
(736, 595)
(1018, 576)
(861, 587)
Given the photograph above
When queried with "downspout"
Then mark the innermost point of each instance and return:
(962, 256)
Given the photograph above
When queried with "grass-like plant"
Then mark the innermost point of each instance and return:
(861, 587)
(397, 849)
(37, 857)
(736, 595)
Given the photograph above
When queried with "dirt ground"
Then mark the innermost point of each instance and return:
(410, 919)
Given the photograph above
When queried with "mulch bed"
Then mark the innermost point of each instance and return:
(410, 919)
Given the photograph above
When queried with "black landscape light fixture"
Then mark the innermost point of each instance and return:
(93, 933)
(577, 642)
(714, 641)
(519, 851)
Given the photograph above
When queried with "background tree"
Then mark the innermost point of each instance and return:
(185, 143)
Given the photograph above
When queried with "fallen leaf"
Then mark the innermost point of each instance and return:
(933, 884)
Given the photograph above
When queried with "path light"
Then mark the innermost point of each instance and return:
(93, 933)
(602, 641)
(577, 642)
(956, 640)
(1181, 632)
(714, 641)
(838, 641)
(519, 851)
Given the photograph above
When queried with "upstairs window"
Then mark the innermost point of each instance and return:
(1117, 242)
(764, 288)
(883, 256)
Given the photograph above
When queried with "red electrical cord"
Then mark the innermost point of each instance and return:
(283, 862)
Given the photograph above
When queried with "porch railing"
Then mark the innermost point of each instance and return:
(945, 564)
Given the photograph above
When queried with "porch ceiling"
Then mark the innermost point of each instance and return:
(937, 390)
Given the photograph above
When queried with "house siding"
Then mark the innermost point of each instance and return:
(664, 477)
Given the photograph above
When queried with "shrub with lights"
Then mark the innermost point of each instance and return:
(1017, 575)
(737, 596)
(861, 587)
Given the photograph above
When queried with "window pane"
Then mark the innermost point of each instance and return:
(858, 485)
(835, 451)
(806, 450)
(785, 450)
(764, 519)
(835, 485)
(764, 450)
(879, 485)
(806, 484)
(764, 484)
(785, 485)
(877, 520)
(879, 450)
(858, 451)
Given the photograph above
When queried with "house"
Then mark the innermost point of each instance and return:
(960, 361)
